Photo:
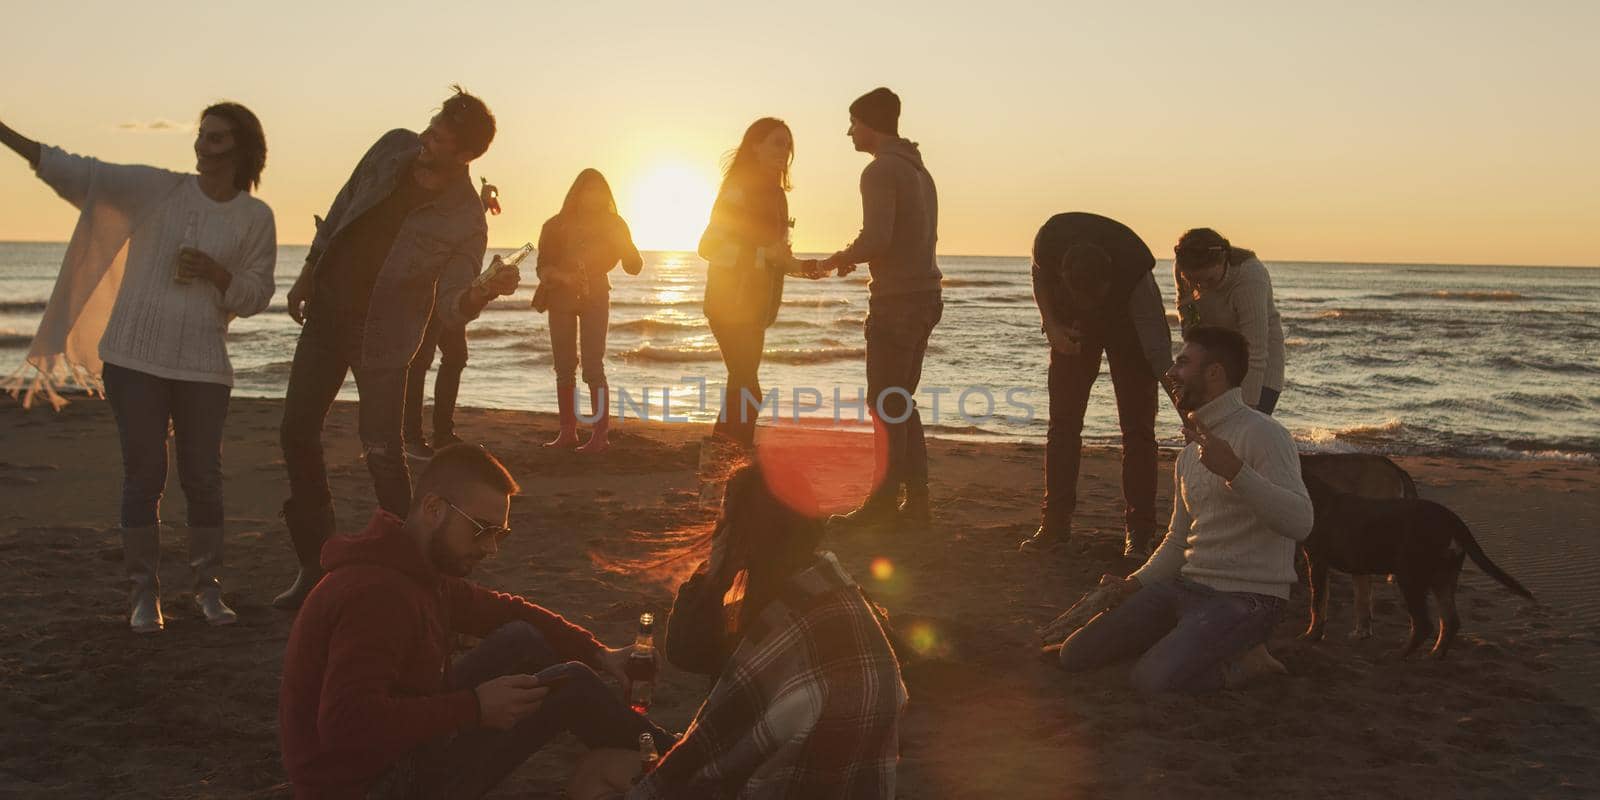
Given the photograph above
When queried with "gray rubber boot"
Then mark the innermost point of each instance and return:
(141, 553)
(205, 558)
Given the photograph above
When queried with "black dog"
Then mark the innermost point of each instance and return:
(1420, 542)
(1367, 475)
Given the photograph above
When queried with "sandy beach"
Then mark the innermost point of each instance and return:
(91, 710)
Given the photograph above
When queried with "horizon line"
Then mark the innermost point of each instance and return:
(1024, 256)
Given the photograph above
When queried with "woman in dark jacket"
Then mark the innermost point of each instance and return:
(577, 247)
(747, 247)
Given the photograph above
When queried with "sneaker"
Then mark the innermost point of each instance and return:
(1137, 545)
(419, 450)
(1047, 539)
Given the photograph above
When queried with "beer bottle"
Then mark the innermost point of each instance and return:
(647, 753)
(641, 667)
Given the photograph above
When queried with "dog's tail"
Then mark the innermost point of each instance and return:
(1463, 536)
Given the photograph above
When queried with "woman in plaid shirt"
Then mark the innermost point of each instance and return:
(808, 695)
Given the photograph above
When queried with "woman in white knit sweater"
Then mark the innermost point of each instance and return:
(1226, 286)
(159, 264)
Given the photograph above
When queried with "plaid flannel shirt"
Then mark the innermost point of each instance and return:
(808, 706)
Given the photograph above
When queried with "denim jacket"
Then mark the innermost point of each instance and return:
(437, 253)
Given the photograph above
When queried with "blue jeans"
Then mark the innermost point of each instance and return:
(1185, 631)
(572, 324)
(145, 406)
(469, 764)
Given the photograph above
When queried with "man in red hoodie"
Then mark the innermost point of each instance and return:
(370, 704)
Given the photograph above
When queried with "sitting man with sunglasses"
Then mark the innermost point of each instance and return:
(370, 705)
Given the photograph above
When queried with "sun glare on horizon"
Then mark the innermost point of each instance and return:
(667, 207)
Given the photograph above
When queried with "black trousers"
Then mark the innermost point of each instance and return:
(452, 346)
(1071, 378)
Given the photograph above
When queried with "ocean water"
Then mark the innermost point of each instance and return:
(1482, 361)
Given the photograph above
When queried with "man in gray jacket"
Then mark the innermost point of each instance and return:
(1093, 281)
(403, 240)
(900, 226)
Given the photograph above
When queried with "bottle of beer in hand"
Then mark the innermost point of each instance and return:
(191, 241)
(641, 668)
(647, 753)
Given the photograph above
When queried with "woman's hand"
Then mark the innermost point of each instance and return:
(193, 264)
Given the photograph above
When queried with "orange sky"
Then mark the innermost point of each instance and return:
(1450, 133)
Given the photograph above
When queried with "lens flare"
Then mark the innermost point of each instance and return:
(882, 568)
(925, 639)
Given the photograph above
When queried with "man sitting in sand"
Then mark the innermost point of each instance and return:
(371, 706)
(1199, 611)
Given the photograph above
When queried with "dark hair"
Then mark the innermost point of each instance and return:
(1226, 347)
(586, 179)
(469, 119)
(742, 163)
(460, 465)
(773, 539)
(249, 143)
(1202, 248)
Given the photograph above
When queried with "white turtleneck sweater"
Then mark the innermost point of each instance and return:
(1238, 535)
(158, 326)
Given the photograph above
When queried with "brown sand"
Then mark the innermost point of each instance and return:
(92, 710)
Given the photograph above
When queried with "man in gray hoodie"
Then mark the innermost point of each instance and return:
(900, 223)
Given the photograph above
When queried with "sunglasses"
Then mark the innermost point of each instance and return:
(482, 529)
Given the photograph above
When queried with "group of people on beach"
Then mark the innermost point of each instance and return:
(807, 692)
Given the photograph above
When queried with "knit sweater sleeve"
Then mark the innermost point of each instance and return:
(252, 287)
(126, 187)
(1168, 559)
(1280, 501)
(1252, 305)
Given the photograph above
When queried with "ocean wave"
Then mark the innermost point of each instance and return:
(12, 341)
(649, 326)
(1476, 295)
(975, 283)
(1539, 363)
(1547, 402)
(1386, 431)
(1349, 315)
(21, 306)
(1409, 381)
(679, 355)
(1008, 299)
(1296, 342)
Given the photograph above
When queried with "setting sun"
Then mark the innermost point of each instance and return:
(667, 207)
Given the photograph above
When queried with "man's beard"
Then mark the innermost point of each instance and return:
(444, 561)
